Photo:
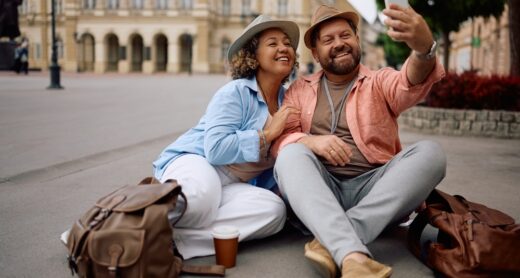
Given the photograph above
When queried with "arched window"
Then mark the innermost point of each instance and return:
(226, 7)
(59, 6)
(137, 4)
(60, 48)
(161, 4)
(113, 4)
(25, 8)
(282, 7)
(186, 4)
(246, 7)
(89, 4)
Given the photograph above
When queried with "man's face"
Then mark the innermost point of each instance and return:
(337, 47)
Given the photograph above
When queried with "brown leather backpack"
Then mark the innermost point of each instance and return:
(127, 234)
(472, 241)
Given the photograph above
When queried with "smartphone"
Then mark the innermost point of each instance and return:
(402, 3)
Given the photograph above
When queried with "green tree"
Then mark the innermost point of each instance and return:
(395, 52)
(445, 16)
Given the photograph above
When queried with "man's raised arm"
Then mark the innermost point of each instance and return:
(406, 25)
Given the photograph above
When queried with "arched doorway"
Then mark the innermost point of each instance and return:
(86, 53)
(136, 53)
(161, 53)
(186, 53)
(112, 47)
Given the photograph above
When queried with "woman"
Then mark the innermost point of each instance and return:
(217, 161)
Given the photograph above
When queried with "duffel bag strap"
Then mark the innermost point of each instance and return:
(415, 231)
(213, 270)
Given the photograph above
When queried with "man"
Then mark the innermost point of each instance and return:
(346, 177)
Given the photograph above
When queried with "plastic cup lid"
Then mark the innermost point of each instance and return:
(225, 232)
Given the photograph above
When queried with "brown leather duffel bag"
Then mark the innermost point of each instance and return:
(473, 240)
(127, 234)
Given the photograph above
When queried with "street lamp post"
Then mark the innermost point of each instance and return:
(54, 67)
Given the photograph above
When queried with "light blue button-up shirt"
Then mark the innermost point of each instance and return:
(228, 131)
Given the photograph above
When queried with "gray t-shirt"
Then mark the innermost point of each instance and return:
(321, 125)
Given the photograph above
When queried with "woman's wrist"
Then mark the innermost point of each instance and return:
(263, 139)
(268, 136)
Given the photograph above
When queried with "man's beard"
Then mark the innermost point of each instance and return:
(340, 68)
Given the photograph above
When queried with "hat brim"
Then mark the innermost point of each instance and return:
(346, 15)
(288, 27)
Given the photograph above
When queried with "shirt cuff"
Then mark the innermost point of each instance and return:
(435, 75)
(249, 144)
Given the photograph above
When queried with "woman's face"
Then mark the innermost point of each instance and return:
(275, 54)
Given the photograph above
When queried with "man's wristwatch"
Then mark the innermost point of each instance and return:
(428, 56)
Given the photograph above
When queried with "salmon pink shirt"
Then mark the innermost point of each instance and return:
(372, 108)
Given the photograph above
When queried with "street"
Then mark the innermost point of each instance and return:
(61, 150)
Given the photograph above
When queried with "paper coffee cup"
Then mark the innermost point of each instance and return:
(225, 239)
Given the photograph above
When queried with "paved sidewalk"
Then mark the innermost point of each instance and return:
(61, 150)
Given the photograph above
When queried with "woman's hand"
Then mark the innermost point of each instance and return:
(277, 124)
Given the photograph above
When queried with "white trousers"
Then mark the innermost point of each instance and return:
(216, 197)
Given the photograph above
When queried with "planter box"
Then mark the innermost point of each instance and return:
(487, 123)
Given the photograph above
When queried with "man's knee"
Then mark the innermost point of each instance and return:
(434, 156)
(285, 164)
(290, 153)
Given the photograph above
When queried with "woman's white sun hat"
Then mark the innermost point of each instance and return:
(261, 23)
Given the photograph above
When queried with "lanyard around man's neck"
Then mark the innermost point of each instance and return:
(334, 120)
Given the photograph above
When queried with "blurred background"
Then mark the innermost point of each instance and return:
(192, 36)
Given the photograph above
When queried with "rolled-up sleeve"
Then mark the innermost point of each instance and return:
(398, 91)
(224, 141)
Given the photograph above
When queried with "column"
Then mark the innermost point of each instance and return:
(70, 45)
(173, 54)
(100, 59)
(200, 48)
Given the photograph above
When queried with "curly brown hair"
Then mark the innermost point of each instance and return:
(244, 64)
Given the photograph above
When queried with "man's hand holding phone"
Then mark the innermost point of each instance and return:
(407, 26)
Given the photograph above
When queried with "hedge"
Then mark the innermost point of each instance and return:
(471, 91)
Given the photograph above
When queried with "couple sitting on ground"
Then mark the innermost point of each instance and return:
(334, 135)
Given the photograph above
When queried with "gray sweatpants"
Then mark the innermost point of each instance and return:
(345, 215)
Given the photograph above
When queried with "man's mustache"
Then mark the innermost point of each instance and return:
(340, 50)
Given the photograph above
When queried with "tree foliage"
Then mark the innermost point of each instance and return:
(395, 52)
(445, 16)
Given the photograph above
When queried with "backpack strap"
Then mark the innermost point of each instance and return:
(213, 270)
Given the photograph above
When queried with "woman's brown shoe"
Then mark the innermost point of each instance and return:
(320, 258)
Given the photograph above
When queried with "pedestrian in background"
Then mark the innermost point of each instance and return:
(21, 57)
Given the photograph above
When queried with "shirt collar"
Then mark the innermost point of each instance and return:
(252, 84)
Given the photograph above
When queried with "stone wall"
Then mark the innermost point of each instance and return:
(500, 124)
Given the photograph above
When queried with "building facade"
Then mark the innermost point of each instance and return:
(151, 36)
(482, 45)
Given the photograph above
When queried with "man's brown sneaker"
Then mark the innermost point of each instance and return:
(367, 269)
(320, 258)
